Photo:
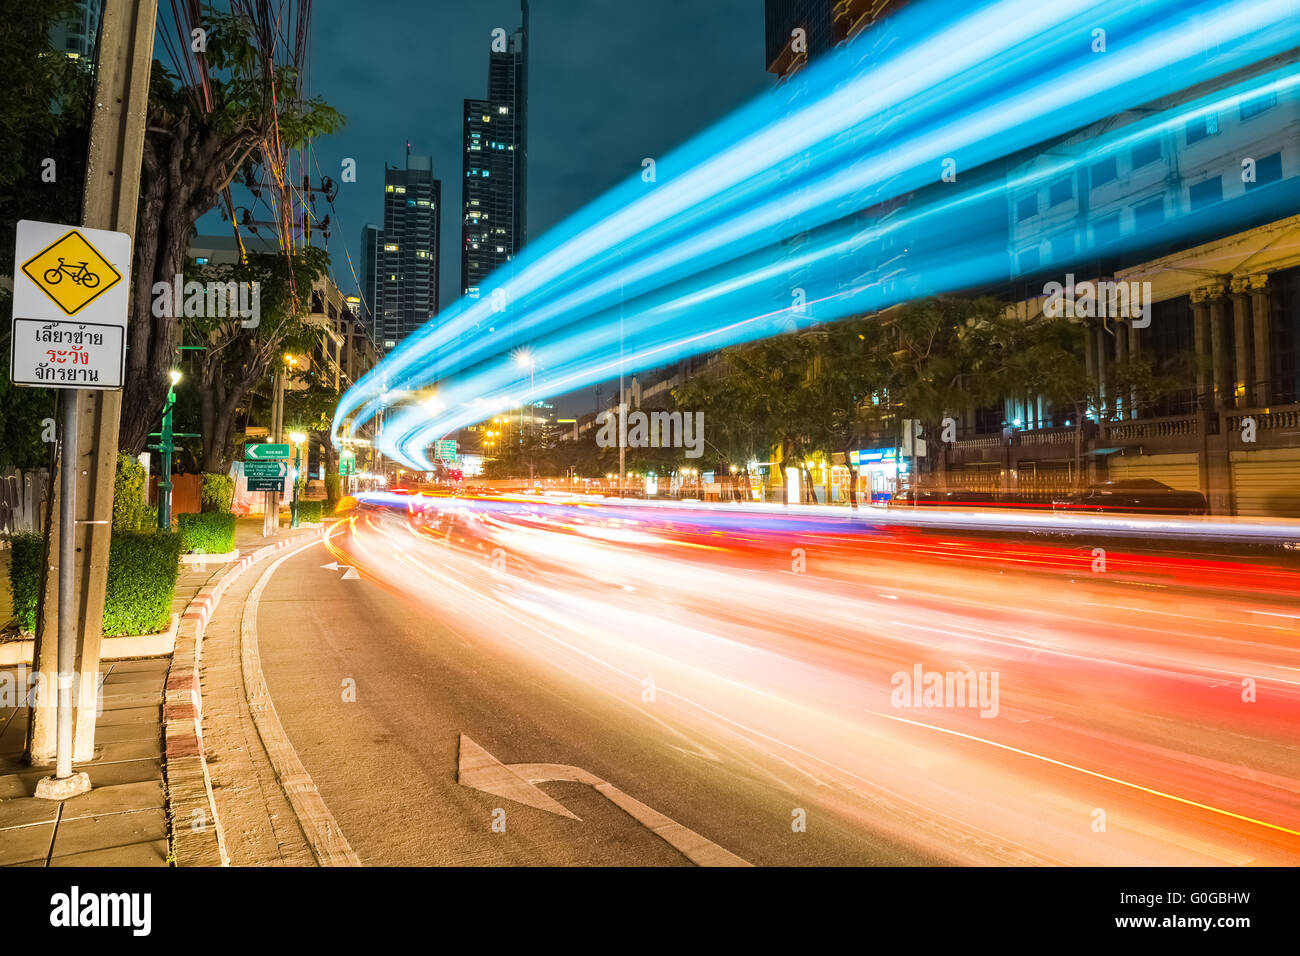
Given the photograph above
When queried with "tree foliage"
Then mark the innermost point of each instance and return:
(235, 359)
(194, 148)
(43, 126)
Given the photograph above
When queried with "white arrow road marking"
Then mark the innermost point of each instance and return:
(332, 566)
(517, 782)
(350, 575)
(349, 572)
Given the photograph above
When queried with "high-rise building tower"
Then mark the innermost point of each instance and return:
(406, 257)
(493, 196)
(370, 279)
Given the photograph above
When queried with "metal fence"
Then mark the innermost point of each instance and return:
(22, 500)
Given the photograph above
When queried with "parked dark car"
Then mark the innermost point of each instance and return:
(956, 498)
(1134, 496)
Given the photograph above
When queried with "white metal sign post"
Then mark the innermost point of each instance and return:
(71, 293)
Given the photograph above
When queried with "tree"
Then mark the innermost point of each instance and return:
(199, 139)
(311, 410)
(851, 376)
(952, 354)
(236, 359)
(737, 407)
(44, 127)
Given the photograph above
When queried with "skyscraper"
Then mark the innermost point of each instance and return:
(405, 252)
(369, 279)
(495, 163)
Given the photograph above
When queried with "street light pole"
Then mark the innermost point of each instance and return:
(297, 438)
(166, 446)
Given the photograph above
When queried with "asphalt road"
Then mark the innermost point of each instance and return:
(386, 762)
(700, 675)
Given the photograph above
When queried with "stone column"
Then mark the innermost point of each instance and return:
(1123, 406)
(1260, 304)
(1201, 343)
(1218, 345)
(1103, 386)
(1241, 344)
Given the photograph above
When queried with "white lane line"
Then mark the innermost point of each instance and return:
(326, 840)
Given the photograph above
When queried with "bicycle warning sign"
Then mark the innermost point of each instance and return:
(72, 272)
(71, 294)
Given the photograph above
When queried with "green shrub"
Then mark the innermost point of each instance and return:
(310, 510)
(333, 485)
(129, 504)
(218, 492)
(150, 522)
(142, 571)
(207, 533)
(25, 577)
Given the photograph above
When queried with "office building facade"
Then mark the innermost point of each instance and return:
(401, 259)
(493, 196)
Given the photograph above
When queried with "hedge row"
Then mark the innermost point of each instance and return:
(310, 510)
(130, 511)
(142, 571)
(25, 577)
(208, 533)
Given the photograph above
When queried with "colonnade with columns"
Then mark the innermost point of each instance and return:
(1234, 369)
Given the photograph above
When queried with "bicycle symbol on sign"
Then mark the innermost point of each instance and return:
(82, 276)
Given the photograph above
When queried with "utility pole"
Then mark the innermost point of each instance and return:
(110, 200)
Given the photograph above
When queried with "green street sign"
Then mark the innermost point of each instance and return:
(267, 452)
(266, 469)
(347, 463)
(445, 449)
(266, 484)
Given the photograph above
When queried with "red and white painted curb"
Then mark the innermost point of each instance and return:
(189, 786)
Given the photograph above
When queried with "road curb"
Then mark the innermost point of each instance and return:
(197, 838)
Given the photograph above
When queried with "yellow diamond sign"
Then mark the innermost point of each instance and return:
(72, 272)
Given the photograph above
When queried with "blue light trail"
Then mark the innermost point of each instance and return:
(655, 272)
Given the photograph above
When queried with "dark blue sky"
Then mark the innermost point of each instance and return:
(611, 82)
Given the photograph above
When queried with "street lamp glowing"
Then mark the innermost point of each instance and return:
(175, 376)
(297, 437)
(524, 358)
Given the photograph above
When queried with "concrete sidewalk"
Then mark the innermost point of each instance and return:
(123, 820)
